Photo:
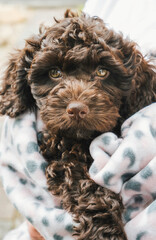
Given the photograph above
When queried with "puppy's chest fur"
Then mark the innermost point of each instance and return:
(68, 178)
(62, 148)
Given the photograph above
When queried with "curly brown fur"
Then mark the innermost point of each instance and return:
(77, 47)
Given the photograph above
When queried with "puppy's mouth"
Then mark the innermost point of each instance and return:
(78, 133)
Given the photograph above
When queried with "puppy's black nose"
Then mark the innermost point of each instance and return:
(77, 110)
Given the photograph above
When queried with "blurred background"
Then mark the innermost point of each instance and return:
(18, 20)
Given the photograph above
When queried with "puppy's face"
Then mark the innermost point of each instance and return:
(77, 77)
(78, 104)
(78, 72)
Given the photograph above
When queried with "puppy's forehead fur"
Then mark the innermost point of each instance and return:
(77, 30)
(82, 39)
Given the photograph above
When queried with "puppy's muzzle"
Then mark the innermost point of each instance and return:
(77, 110)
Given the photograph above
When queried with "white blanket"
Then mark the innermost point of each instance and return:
(115, 161)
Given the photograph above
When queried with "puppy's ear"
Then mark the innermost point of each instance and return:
(139, 83)
(15, 92)
(143, 85)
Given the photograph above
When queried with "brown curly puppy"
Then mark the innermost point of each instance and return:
(85, 80)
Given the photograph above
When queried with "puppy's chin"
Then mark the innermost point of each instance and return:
(78, 134)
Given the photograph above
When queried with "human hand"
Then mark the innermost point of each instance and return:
(34, 234)
(121, 158)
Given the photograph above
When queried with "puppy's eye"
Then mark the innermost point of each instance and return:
(55, 73)
(101, 72)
